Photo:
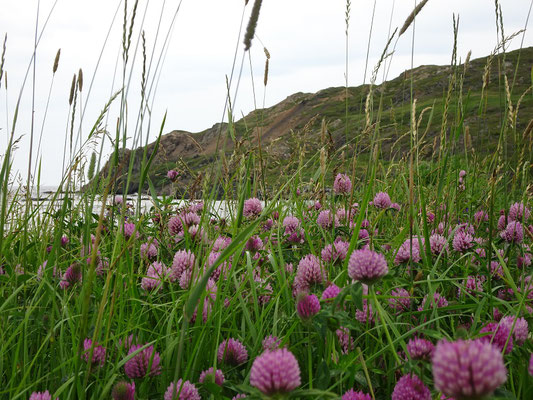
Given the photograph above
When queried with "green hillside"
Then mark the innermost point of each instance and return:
(460, 103)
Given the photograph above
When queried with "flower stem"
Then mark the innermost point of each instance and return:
(309, 360)
(382, 319)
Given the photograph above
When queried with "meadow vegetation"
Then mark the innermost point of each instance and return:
(337, 273)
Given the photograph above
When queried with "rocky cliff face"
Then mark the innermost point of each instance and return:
(298, 122)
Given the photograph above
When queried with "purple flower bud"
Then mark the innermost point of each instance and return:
(438, 301)
(409, 250)
(395, 206)
(41, 396)
(331, 292)
(309, 272)
(401, 299)
(183, 261)
(275, 372)
(366, 315)
(291, 224)
(129, 229)
(252, 208)
(232, 352)
(438, 244)
(353, 395)
(342, 184)
(172, 175)
(420, 349)
(335, 252)
(519, 212)
(472, 284)
(155, 275)
(325, 219)
(382, 200)
(467, 369)
(481, 216)
(521, 329)
(367, 266)
(212, 376)
(271, 343)
(500, 336)
(175, 226)
(145, 362)
(307, 306)
(148, 250)
(254, 244)
(462, 241)
(410, 387)
(98, 356)
(502, 222)
(267, 225)
(64, 241)
(221, 243)
(513, 232)
(182, 390)
(71, 276)
(345, 339)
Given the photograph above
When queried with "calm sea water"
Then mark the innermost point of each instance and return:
(43, 197)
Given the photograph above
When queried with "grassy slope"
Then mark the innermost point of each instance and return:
(291, 130)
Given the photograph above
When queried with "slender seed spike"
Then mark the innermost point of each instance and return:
(132, 21)
(72, 90)
(266, 72)
(252, 24)
(468, 57)
(528, 130)
(323, 131)
(92, 165)
(124, 29)
(412, 16)
(56, 61)
(2, 60)
(367, 109)
(80, 80)
(267, 53)
(347, 15)
(323, 161)
(143, 81)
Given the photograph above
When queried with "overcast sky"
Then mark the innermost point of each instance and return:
(305, 38)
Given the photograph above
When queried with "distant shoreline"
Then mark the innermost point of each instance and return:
(44, 193)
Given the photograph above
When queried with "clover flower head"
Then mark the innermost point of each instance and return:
(468, 369)
(275, 372)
